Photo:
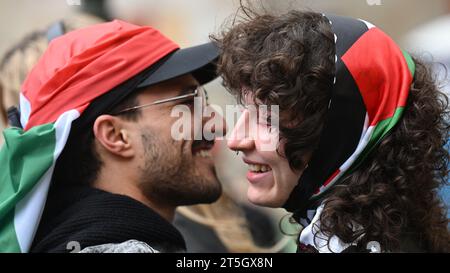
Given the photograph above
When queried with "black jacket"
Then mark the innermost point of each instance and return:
(91, 217)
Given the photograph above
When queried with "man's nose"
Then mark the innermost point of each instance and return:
(240, 138)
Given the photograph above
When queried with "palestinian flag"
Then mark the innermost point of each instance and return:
(371, 86)
(76, 68)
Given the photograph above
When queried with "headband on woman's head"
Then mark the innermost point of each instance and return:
(371, 85)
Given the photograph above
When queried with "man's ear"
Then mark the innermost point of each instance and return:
(112, 135)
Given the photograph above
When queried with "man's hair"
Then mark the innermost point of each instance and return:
(79, 162)
(288, 61)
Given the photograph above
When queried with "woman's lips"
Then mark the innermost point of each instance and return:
(257, 177)
(257, 171)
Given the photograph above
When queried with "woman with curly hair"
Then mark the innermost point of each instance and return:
(362, 129)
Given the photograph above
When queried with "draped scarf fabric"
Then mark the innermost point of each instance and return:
(372, 81)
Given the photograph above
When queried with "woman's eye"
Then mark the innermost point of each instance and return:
(267, 122)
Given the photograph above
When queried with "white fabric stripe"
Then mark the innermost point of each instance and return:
(29, 210)
(25, 110)
(368, 24)
(366, 134)
(365, 137)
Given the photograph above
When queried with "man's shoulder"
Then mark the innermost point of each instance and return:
(96, 218)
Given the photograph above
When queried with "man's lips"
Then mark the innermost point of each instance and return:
(202, 148)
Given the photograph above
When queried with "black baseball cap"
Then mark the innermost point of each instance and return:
(198, 60)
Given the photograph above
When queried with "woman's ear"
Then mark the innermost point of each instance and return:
(113, 136)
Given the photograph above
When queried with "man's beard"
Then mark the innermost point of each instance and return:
(170, 175)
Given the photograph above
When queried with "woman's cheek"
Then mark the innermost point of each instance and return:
(266, 140)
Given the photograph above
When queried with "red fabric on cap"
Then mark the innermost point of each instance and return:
(381, 72)
(84, 64)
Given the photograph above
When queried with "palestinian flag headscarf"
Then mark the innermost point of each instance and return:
(372, 80)
(107, 61)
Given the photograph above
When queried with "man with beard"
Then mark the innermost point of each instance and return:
(95, 167)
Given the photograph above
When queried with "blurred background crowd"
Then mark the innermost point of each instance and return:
(421, 27)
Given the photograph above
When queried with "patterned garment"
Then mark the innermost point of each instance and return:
(313, 240)
(371, 86)
(130, 246)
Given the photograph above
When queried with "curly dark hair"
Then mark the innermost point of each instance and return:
(288, 61)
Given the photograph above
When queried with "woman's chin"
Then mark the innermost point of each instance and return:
(259, 198)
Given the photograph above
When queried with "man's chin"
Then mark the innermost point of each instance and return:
(215, 186)
(212, 192)
(207, 194)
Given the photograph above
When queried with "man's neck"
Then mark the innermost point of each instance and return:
(111, 185)
(167, 212)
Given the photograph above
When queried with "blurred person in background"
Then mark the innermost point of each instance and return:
(431, 40)
(22, 56)
(227, 226)
(362, 131)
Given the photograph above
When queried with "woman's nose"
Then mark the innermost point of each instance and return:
(240, 138)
